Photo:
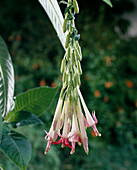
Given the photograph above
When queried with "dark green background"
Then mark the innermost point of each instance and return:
(109, 83)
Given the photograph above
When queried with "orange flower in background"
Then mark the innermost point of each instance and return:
(10, 38)
(118, 124)
(120, 109)
(12, 53)
(59, 77)
(109, 46)
(106, 99)
(18, 38)
(93, 133)
(108, 84)
(53, 84)
(42, 83)
(35, 66)
(97, 93)
(86, 77)
(136, 103)
(129, 83)
(108, 61)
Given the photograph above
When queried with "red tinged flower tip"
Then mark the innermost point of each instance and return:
(64, 142)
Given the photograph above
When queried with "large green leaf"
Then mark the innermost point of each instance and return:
(36, 101)
(55, 15)
(17, 148)
(6, 79)
(108, 2)
(23, 118)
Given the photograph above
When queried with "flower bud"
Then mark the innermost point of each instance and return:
(79, 67)
(63, 64)
(78, 55)
(64, 77)
(75, 5)
(68, 53)
(78, 79)
(67, 41)
(65, 25)
(75, 81)
(79, 50)
(73, 57)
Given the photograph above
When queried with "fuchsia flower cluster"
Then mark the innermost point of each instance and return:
(69, 124)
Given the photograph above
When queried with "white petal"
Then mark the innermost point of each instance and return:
(87, 113)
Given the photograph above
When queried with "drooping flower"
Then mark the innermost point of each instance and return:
(72, 117)
(69, 124)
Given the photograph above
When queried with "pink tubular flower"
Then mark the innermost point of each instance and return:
(72, 123)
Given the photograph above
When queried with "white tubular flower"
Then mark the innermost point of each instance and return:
(89, 120)
(84, 137)
(87, 113)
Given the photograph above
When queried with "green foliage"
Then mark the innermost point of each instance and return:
(13, 144)
(34, 101)
(23, 118)
(17, 148)
(6, 79)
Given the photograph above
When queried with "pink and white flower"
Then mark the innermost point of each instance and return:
(71, 122)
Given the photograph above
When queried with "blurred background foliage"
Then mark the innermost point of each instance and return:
(109, 83)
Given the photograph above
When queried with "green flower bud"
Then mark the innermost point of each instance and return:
(61, 93)
(78, 79)
(68, 53)
(79, 67)
(79, 48)
(67, 41)
(75, 81)
(65, 25)
(78, 55)
(66, 15)
(63, 65)
(64, 77)
(73, 57)
(75, 6)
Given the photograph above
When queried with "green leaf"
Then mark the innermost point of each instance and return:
(23, 118)
(17, 148)
(6, 79)
(108, 2)
(36, 101)
(55, 15)
(2, 167)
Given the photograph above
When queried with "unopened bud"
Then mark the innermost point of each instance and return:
(78, 55)
(79, 67)
(64, 77)
(63, 64)
(73, 57)
(67, 41)
(75, 81)
(65, 25)
(76, 7)
(78, 79)
(68, 53)
(79, 50)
